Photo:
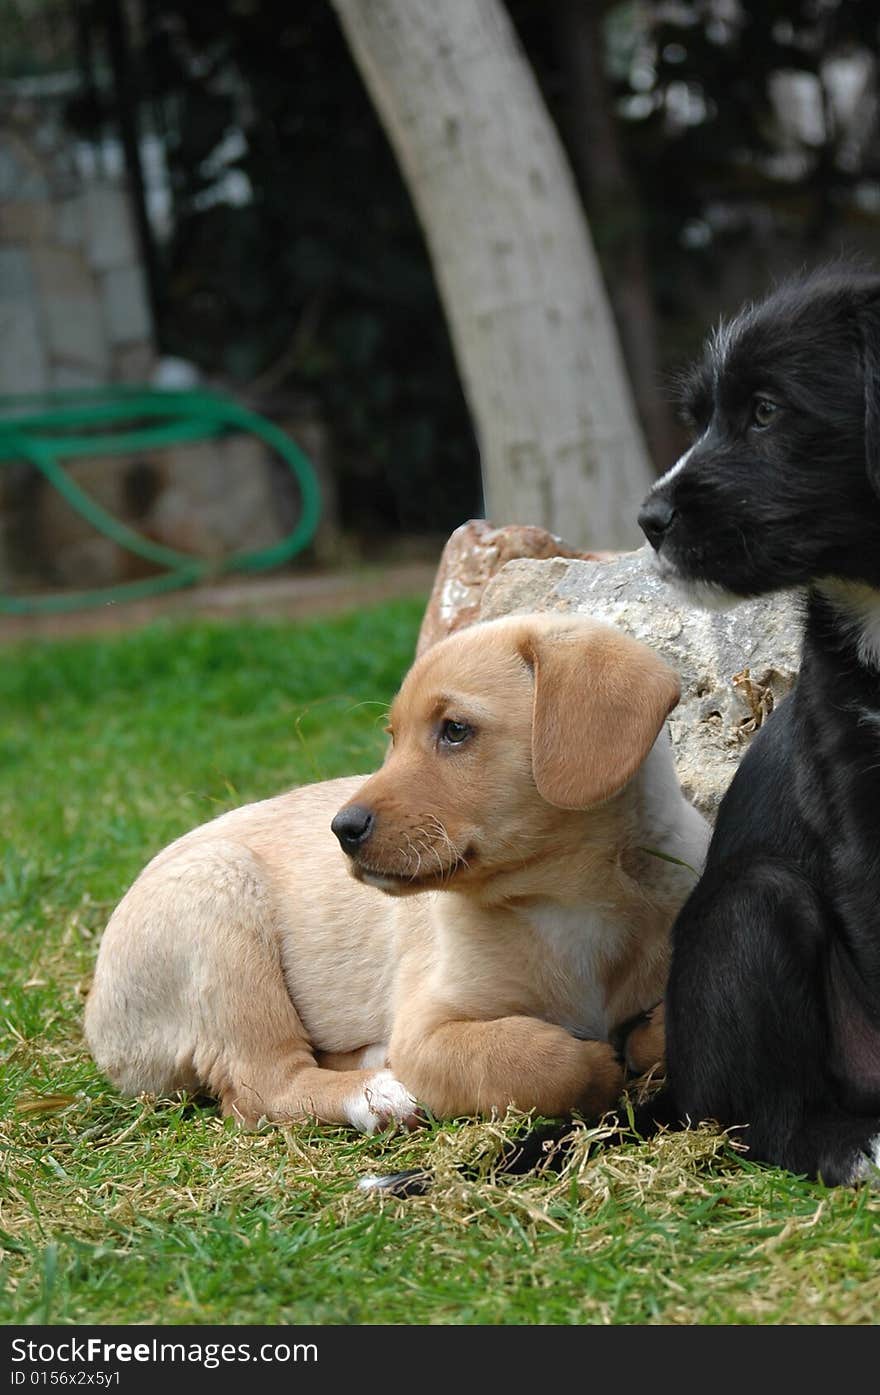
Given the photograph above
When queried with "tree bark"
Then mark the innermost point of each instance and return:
(530, 324)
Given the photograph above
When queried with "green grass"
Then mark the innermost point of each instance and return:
(138, 1211)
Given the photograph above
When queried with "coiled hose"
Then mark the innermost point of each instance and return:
(46, 429)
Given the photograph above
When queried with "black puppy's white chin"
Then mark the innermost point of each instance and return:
(708, 595)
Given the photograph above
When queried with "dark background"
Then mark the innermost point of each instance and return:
(698, 191)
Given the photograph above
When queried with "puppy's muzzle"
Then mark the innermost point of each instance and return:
(655, 519)
(353, 826)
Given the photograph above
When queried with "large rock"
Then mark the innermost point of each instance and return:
(735, 665)
(475, 553)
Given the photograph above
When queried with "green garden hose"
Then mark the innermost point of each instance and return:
(35, 429)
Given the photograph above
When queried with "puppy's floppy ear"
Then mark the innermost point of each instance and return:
(600, 701)
(869, 324)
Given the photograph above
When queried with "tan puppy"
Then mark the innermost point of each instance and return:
(503, 919)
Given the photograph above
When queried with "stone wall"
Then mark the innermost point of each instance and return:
(75, 314)
(73, 300)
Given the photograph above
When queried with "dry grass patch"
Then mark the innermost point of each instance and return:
(159, 1212)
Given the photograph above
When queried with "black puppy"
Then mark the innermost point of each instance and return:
(773, 1004)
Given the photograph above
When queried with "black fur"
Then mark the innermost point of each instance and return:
(773, 1005)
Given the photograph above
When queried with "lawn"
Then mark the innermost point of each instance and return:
(145, 1211)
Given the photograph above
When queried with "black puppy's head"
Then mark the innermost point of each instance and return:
(782, 484)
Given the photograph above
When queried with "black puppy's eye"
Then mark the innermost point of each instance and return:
(454, 733)
(764, 409)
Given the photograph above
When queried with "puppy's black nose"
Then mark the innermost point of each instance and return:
(655, 516)
(352, 826)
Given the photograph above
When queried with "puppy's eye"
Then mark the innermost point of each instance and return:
(764, 409)
(454, 733)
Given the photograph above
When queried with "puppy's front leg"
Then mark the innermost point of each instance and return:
(465, 1067)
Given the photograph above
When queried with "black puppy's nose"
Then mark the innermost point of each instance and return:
(352, 826)
(655, 516)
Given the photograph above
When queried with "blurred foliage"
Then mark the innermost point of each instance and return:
(37, 36)
(741, 171)
(296, 262)
(734, 184)
(317, 280)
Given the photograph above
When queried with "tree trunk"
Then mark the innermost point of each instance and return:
(534, 338)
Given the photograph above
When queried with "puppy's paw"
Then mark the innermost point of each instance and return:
(642, 1043)
(604, 1083)
(415, 1183)
(867, 1169)
(382, 1102)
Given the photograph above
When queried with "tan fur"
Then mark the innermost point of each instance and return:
(503, 918)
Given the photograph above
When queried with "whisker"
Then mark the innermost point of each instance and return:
(418, 856)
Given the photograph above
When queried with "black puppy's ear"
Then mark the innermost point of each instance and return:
(869, 322)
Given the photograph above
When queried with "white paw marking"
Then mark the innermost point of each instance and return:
(372, 1182)
(867, 1169)
(414, 1183)
(374, 1055)
(382, 1101)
